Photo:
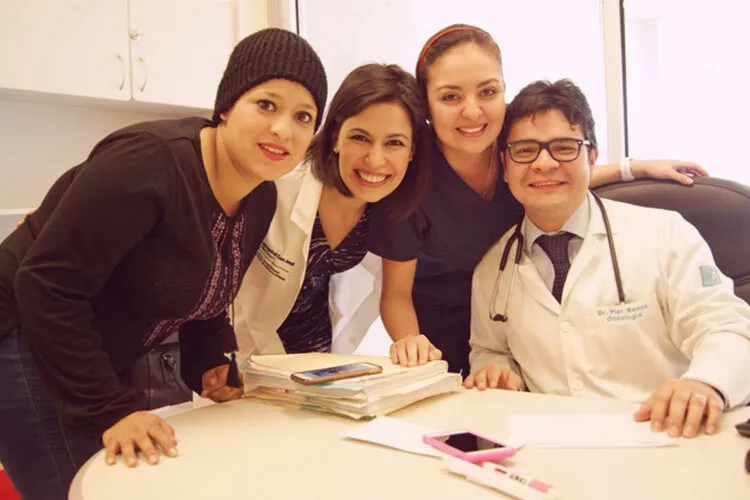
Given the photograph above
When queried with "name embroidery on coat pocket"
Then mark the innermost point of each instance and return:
(625, 313)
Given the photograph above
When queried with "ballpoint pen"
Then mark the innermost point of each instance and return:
(500, 482)
(530, 482)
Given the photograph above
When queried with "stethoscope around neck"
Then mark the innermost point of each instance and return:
(518, 239)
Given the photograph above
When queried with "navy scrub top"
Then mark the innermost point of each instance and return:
(448, 235)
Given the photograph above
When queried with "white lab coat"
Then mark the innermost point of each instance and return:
(676, 326)
(274, 278)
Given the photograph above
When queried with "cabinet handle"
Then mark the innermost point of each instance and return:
(145, 73)
(135, 35)
(122, 71)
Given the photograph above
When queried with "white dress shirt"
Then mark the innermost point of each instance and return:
(575, 225)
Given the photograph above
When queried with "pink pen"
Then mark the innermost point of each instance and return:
(530, 482)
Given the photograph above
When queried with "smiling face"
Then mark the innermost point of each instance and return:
(374, 148)
(269, 128)
(549, 190)
(466, 97)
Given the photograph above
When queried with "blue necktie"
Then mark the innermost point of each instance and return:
(556, 248)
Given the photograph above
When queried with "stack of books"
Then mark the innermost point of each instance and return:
(268, 377)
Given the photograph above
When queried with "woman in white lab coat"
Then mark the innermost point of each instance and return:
(312, 275)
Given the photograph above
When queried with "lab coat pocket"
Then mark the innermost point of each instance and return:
(624, 334)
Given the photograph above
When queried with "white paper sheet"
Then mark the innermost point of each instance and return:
(170, 411)
(584, 430)
(396, 434)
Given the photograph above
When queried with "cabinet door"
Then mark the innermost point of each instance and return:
(71, 47)
(179, 49)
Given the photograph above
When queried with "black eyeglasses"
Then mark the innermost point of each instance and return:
(561, 150)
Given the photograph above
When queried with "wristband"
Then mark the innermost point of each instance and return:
(626, 175)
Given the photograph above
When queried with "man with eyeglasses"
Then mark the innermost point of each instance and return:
(600, 298)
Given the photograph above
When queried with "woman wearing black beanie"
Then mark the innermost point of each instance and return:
(150, 235)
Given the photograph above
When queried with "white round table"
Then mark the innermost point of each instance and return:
(248, 449)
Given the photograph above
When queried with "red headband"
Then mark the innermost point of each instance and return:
(435, 38)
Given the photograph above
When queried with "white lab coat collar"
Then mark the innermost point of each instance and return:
(594, 231)
(576, 224)
(310, 190)
(596, 220)
(270, 287)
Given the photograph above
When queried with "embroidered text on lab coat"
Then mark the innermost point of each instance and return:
(276, 264)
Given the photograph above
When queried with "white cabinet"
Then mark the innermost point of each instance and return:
(178, 49)
(156, 51)
(71, 47)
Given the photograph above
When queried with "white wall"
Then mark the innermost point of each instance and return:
(686, 81)
(539, 39)
(39, 141)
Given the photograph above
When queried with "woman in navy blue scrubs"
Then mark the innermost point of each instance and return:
(429, 258)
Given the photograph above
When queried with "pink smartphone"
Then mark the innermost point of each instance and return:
(468, 446)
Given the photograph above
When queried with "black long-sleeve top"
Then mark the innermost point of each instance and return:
(127, 248)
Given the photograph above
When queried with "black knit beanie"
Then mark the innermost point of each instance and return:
(268, 54)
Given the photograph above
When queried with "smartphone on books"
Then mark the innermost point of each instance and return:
(469, 446)
(333, 373)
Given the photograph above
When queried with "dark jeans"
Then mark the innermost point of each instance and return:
(39, 456)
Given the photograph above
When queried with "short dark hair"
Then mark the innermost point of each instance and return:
(367, 85)
(542, 96)
(448, 38)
